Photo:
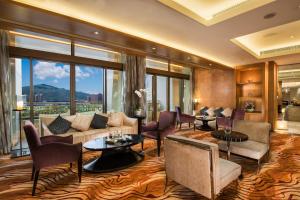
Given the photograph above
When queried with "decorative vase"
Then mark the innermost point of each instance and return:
(138, 112)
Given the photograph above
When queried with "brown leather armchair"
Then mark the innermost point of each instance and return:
(51, 150)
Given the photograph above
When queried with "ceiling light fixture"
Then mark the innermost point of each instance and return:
(189, 58)
(210, 64)
(153, 48)
(292, 36)
(96, 33)
(270, 15)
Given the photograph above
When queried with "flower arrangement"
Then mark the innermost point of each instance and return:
(250, 106)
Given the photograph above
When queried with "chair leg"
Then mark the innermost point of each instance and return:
(166, 184)
(158, 146)
(71, 165)
(258, 167)
(79, 163)
(142, 144)
(194, 127)
(180, 125)
(36, 177)
(32, 173)
(189, 125)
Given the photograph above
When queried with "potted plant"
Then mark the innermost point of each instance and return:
(249, 106)
(140, 93)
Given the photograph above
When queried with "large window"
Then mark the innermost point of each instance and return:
(149, 97)
(161, 92)
(51, 88)
(114, 94)
(89, 89)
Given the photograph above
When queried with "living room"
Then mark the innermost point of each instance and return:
(113, 100)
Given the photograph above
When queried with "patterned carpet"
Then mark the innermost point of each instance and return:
(278, 179)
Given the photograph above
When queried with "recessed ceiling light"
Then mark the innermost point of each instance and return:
(153, 48)
(292, 36)
(270, 15)
(96, 33)
(210, 64)
(189, 58)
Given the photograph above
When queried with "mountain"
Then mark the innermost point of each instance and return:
(44, 92)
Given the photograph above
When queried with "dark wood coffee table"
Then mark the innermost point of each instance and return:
(205, 120)
(114, 156)
(234, 136)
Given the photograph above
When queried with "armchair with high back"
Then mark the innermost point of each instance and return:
(183, 118)
(158, 130)
(196, 165)
(51, 150)
(237, 114)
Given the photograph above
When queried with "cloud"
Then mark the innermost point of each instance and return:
(55, 81)
(82, 73)
(43, 70)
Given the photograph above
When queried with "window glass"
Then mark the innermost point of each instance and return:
(51, 88)
(89, 89)
(187, 99)
(180, 69)
(149, 106)
(37, 41)
(96, 52)
(156, 64)
(161, 94)
(114, 91)
(20, 68)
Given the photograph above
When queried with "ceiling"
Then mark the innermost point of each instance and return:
(154, 21)
(289, 75)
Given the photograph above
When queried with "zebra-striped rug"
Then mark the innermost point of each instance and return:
(278, 178)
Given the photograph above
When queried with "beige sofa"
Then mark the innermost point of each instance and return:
(196, 164)
(128, 126)
(258, 142)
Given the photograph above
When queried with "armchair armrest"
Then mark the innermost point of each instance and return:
(151, 126)
(55, 138)
(56, 153)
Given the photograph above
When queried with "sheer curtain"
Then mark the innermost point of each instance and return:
(5, 94)
(134, 79)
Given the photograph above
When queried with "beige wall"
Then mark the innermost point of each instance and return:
(215, 87)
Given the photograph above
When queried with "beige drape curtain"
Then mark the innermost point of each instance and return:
(134, 79)
(5, 94)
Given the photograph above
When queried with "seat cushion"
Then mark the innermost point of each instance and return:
(249, 148)
(124, 129)
(229, 171)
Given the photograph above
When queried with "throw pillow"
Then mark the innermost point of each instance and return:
(227, 112)
(99, 121)
(203, 110)
(115, 119)
(59, 125)
(210, 112)
(218, 112)
(82, 122)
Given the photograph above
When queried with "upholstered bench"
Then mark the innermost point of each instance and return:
(258, 143)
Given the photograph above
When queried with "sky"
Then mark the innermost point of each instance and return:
(88, 79)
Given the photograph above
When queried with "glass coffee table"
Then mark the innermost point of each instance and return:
(115, 155)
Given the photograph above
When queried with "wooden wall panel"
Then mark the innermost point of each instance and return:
(215, 88)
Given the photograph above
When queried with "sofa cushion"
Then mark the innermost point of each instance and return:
(115, 119)
(203, 110)
(229, 171)
(249, 148)
(227, 112)
(210, 112)
(124, 129)
(59, 125)
(82, 122)
(218, 112)
(99, 121)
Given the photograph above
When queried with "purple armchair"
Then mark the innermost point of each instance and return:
(51, 150)
(183, 118)
(237, 114)
(158, 130)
